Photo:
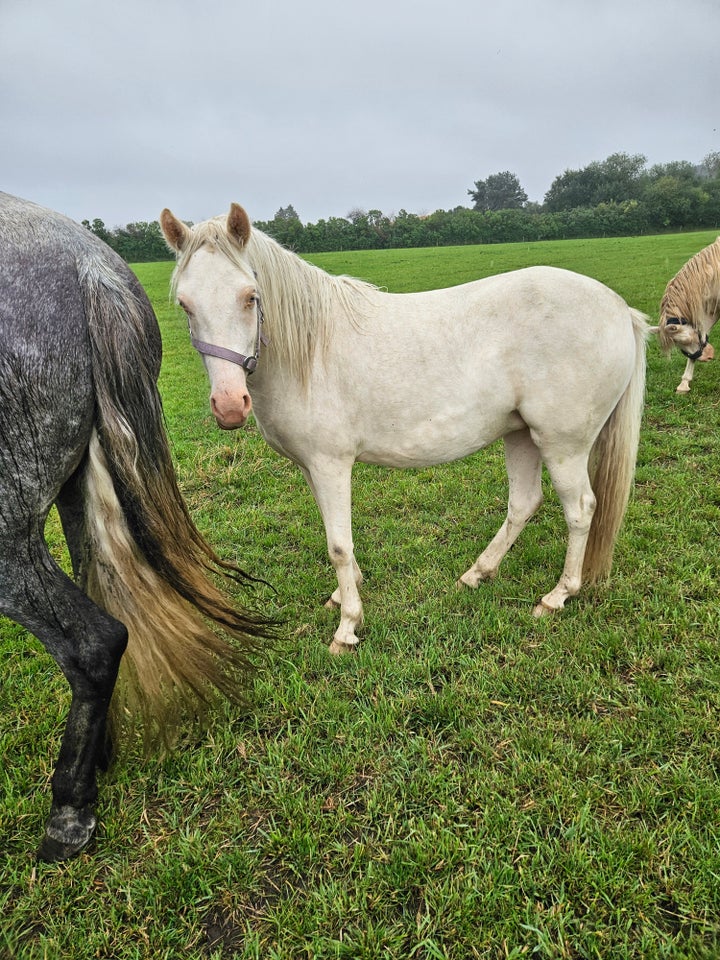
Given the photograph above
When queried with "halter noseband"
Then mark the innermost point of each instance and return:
(702, 340)
(248, 363)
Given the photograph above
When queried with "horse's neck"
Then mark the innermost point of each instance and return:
(711, 301)
(712, 308)
(300, 309)
(306, 296)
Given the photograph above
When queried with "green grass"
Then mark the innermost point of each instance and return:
(473, 783)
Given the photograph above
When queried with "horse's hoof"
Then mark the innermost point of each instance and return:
(68, 831)
(338, 647)
(54, 851)
(471, 578)
(683, 388)
(332, 604)
(543, 610)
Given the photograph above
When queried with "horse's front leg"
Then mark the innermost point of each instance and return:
(684, 385)
(330, 485)
(335, 601)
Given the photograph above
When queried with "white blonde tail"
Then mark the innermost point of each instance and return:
(613, 461)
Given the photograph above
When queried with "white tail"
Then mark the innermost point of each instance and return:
(613, 461)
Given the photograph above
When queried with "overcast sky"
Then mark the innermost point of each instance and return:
(117, 109)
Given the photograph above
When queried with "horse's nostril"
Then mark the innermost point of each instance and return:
(231, 410)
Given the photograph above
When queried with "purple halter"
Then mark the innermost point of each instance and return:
(247, 363)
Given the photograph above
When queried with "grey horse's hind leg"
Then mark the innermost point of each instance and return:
(87, 644)
(71, 508)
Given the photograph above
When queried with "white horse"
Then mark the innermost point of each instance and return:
(689, 310)
(551, 361)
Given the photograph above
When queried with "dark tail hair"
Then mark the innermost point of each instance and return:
(148, 565)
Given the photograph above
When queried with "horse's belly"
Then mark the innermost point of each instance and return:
(407, 429)
(435, 440)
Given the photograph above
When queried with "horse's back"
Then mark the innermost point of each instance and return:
(534, 306)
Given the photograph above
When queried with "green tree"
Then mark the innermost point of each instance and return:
(140, 242)
(678, 169)
(286, 213)
(408, 230)
(286, 230)
(711, 205)
(671, 202)
(501, 191)
(571, 190)
(363, 233)
(618, 178)
(98, 228)
(621, 177)
(710, 167)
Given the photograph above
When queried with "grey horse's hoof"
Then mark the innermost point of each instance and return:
(68, 831)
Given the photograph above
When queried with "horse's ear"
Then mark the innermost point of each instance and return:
(238, 224)
(174, 230)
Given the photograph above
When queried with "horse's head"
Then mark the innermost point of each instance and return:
(215, 286)
(679, 332)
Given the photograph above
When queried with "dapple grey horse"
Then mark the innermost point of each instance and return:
(81, 427)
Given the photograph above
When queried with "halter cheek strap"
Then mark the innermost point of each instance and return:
(248, 363)
(211, 350)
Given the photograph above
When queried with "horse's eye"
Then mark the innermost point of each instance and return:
(186, 308)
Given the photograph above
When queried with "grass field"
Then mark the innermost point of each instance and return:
(473, 783)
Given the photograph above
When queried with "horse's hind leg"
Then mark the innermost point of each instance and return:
(71, 507)
(524, 466)
(87, 644)
(570, 479)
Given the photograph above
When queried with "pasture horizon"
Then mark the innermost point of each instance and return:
(473, 782)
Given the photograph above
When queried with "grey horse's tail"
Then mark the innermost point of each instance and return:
(147, 564)
(613, 463)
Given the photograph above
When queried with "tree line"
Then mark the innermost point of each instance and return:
(619, 196)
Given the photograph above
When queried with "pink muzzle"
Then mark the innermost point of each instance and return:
(231, 409)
